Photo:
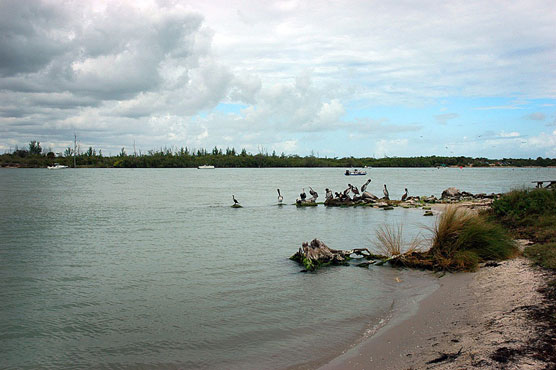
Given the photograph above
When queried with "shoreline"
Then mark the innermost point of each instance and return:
(482, 315)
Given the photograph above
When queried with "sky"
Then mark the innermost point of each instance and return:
(329, 78)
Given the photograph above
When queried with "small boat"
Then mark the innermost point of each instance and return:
(57, 166)
(206, 167)
(355, 172)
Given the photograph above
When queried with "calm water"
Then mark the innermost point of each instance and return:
(152, 268)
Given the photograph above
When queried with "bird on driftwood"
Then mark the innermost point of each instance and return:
(280, 197)
(303, 196)
(354, 190)
(313, 193)
(328, 194)
(235, 200)
(346, 192)
(364, 187)
(404, 197)
(385, 191)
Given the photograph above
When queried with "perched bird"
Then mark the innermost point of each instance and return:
(235, 200)
(385, 191)
(338, 195)
(303, 196)
(364, 187)
(354, 190)
(329, 193)
(404, 197)
(280, 197)
(346, 192)
(313, 193)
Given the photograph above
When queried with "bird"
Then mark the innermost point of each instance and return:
(404, 197)
(280, 197)
(354, 190)
(328, 193)
(385, 191)
(303, 196)
(364, 187)
(235, 200)
(346, 192)
(313, 193)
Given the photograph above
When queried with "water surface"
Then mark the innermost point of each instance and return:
(152, 268)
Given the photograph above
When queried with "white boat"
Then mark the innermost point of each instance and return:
(355, 172)
(206, 167)
(57, 166)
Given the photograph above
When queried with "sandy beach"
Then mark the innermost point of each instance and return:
(475, 319)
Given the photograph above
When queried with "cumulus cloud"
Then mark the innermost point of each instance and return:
(157, 71)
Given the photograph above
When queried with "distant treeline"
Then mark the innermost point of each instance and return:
(34, 156)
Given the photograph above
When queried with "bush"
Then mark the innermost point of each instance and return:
(521, 207)
(462, 239)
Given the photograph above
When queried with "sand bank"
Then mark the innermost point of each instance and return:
(482, 316)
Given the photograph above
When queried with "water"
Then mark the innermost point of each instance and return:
(152, 268)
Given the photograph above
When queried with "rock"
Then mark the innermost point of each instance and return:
(451, 192)
(428, 213)
(431, 199)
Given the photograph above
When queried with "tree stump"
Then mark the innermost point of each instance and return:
(317, 254)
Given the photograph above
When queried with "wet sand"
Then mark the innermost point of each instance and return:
(472, 320)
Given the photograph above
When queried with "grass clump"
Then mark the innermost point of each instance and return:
(462, 239)
(390, 241)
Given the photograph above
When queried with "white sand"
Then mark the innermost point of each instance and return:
(475, 312)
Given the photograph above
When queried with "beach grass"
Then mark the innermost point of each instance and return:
(462, 239)
(390, 241)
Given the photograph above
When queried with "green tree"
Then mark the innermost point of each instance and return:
(35, 147)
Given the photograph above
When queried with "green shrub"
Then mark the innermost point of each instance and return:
(543, 255)
(521, 207)
(462, 239)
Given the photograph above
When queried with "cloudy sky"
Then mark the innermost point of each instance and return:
(333, 78)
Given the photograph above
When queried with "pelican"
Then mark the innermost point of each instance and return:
(354, 190)
(235, 200)
(313, 193)
(346, 192)
(404, 197)
(364, 187)
(280, 197)
(385, 191)
(303, 196)
(328, 193)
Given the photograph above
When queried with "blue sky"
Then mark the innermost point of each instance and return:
(342, 78)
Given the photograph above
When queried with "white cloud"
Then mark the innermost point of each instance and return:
(545, 141)
(155, 70)
(390, 147)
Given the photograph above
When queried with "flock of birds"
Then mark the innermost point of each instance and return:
(342, 196)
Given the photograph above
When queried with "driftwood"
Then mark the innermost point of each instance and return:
(317, 254)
